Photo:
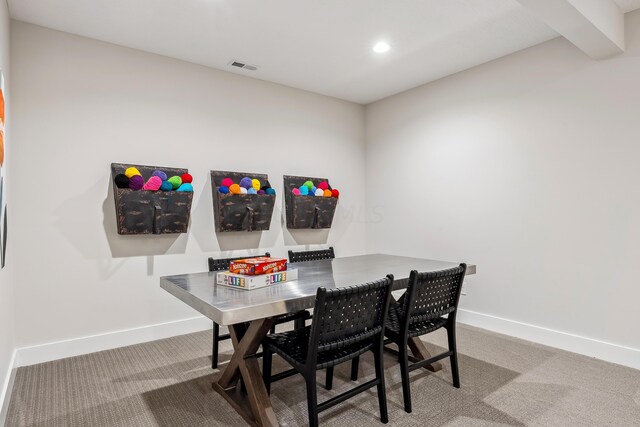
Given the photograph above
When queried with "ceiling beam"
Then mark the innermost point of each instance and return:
(595, 26)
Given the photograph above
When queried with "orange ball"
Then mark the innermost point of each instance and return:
(327, 193)
(234, 189)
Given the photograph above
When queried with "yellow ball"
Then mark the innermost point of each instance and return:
(132, 172)
(255, 184)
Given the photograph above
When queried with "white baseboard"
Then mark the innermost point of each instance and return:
(77, 346)
(5, 391)
(609, 352)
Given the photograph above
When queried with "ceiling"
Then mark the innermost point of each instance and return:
(320, 46)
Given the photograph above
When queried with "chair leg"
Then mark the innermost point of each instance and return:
(266, 369)
(404, 372)
(299, 323)
(451, 335)
(312, 398)
(355, 363)
(272, 330)
(214, 349)
(329, 381)
(382, 394)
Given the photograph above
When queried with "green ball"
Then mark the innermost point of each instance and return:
(308, 184)
(175, 181)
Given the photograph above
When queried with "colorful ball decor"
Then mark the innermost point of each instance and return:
(133, 179)
(160, 174)
(246, 183)
(223, 189)
(153, 184)
(175, 181)
(321, 190)
(132, 172)
(136, 182)
(186, 187)
(270, 191)
(122, 181)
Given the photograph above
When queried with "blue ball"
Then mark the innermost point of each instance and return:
(304, 190)
(252, 191)
(312, 191)
(223, 189)
(166, 186)
(270, 191)
(160, 174)
(246, 183)
(186, 187)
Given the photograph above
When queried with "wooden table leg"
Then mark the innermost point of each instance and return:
(420, 352)
(255, 406)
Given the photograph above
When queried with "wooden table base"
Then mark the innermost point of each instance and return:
(255, 405)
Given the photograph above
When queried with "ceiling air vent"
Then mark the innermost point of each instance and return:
(242, 65)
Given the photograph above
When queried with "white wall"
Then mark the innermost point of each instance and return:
(81, 104)
(528, 167)
(7, 342)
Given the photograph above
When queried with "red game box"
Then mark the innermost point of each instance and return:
(256, 266)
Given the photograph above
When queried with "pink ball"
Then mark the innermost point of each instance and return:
(153, 184)
(324, 185)
(296, 191)
(227, 182)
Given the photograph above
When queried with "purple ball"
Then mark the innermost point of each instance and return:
(246, 183)
(136, 182)
(160, 174)
(262, 192)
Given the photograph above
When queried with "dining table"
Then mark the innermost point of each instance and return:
(249, 315)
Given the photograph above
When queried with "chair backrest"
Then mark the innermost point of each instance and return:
(432, 294)
(349, 315)
(311, 255)
(220, 264)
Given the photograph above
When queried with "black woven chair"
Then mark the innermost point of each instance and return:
(428, 298)
(311, 255)
(347, 322)
(221, 264)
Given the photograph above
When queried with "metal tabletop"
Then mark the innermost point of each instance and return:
(228, 306)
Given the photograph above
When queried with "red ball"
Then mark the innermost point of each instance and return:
(186, 178)
(227, 182)
(324, 185)
(335, 193)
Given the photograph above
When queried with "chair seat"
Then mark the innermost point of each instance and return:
(415, 329)
(302, 314)
(293, 346)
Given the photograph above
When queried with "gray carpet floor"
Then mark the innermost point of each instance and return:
(167, 383)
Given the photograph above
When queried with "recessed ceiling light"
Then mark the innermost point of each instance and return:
(381, 47)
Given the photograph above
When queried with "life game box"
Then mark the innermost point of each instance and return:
(257, 266)
(242, 281)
